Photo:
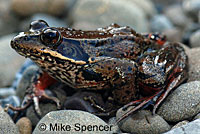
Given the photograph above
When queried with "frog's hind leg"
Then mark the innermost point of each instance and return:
(139, 104)
(173, 83)
(178, 74)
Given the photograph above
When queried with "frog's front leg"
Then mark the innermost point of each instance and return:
(36, 92)
(113, 74)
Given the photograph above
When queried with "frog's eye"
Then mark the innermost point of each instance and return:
(50, 37)
(38, 25)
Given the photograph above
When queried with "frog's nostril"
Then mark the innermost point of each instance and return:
(11, 42)
(25, 38)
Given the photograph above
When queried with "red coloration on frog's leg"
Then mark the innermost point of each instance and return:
(42, 83)
(36, 92)
(39, 91)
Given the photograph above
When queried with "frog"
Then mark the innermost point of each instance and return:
(137, 69)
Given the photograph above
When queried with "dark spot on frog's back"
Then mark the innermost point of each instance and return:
(72, 49)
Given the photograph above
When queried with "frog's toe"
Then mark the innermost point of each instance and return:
(53, 99)
(44, 96)
(133, 103)
(22, 108)
(36, 105)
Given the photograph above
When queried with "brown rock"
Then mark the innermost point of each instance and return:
(24, 125)
(194, 64)
(142, 122)
(180, 124)
(30, 7)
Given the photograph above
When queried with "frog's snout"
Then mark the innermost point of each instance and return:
(13, 43)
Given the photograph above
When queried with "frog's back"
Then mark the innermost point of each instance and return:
(112, 41)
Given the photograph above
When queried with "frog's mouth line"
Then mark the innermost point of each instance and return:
(39, 52)
(43, 59)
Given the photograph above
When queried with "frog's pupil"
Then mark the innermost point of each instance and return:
(50, 37)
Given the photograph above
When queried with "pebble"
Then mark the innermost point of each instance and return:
(7, 126)
(194, 66)
(199, 17)
(191, 8)
(142, 122)
(13, 100)
(102, 13)
(173, 35)
(176, 16)
(76, 122)
(190, 128)
(197, 116)
(5, 92)
(147, 6)
(159, 23)
(182, 103)
(180, 124)
(115, 128)
(10, 60)
(24, 125)
(27, 8)
(165, 3)
(188, 31)
(25, 81)
(19, 74)
(195, 39)
(8, 21)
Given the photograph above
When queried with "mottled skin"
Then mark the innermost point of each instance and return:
(113, 58)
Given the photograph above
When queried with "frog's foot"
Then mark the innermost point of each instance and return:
(140, 104)
(43, 96)
(34, 98)
(22, 108)
(102, 112)
(36, 92)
